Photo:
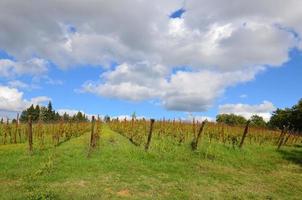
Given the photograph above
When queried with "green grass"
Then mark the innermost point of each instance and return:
(120, 170)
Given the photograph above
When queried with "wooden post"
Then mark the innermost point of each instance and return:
(30, 134)
(97, 130)
(150, 135)
(246, 130)
(9, 131)
(281, 141)
(5, 133)
(287, 138)
(17, 129)
(2, 128)
(196, 140)
(92, 132)
(280, 136)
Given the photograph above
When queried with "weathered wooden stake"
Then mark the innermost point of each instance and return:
(196, 140)
(281, 142)
(5, 133)
(150, 135)
(9, 131)
(17, 128)
(246, 130)
(30, 134)
(280, 136)
(92, 140)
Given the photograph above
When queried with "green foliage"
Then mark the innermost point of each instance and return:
(231, 119)
(290, 118)
(107, 118)
(48, 114)
(120, 170)
(32, 111)
(257, 121)
(280, 118)
(297, 116)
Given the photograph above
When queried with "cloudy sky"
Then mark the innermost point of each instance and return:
(157, 58)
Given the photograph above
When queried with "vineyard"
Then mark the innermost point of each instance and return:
(147, 159)
(41, 134)
(179, 132)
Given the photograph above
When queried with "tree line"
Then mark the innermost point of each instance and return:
(48, 114)
(235, 120)
(287, 118)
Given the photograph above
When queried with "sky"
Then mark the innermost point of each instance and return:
(160, 58)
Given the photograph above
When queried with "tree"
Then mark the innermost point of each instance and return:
(36, 113)
(281, 119)
(231, 119)
(57, 117)
(257, 121)
(290, 118)
(107, 118)
(43, 114)
(50, 112)
(133, 115)
(24, 116)
(80, 117)
(66, 117)
(296, 116)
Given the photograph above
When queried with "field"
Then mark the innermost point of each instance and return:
(120, 166)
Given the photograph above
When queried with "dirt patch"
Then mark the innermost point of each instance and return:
(8, 182)
(79, 183)
(124, 193)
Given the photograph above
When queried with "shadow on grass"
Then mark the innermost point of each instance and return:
(293, 155)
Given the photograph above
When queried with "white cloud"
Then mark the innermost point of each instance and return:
(18, 84)
(264, 109)
(72, 112)
(127, 117)
(243, 96)
(199, 118)
(219, 41)
(11, 100)
(34, 66)
(183, 90)
(22, 85)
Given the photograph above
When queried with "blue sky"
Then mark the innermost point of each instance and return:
(281, 85)
(171, 62)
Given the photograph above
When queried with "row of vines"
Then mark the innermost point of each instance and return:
(141, 131)
(138, 131)
(41, 135)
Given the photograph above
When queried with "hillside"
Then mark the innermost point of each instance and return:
(119, 170)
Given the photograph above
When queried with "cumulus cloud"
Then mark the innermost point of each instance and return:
(199, 118)
(264, 109)
(127, 117)
(221, 43)
(11, 100)
(183, 90)
(72, 112)
(34, 66)
(22, 85)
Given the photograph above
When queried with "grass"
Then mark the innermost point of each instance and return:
(120, 170)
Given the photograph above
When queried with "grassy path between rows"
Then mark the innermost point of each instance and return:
(120, 170)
